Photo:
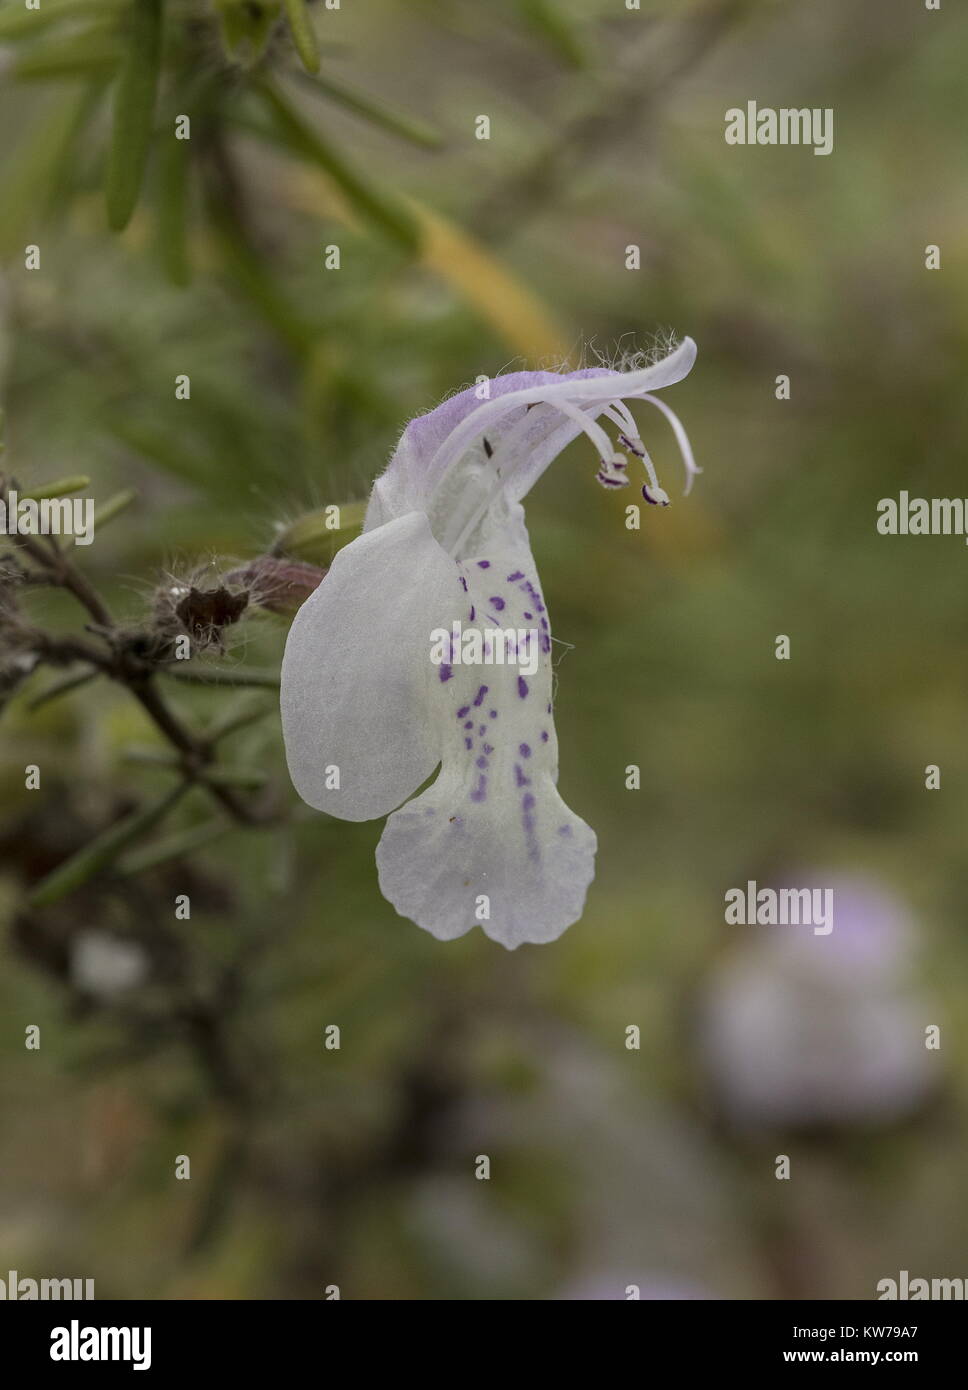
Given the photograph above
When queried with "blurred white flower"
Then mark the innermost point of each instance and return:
(798, 1029)
(105, 966)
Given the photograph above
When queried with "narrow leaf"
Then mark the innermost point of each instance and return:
(17, 22)
(303, 34)
(59, 488)
(102, 850)
(312, 537)
(81, 55)
(173, 170)
(33, 169)
(114, 506)
(231, 723)
(390, 216)
(175, 846)
(377, 112)
(134, 106)
(63, 687)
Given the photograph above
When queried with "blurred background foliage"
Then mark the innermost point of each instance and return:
(313, 127)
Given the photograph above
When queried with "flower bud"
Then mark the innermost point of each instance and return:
(277, 584)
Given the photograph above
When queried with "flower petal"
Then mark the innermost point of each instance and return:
(491, 843)
(432, 442)
(356, 672)
(409, 478)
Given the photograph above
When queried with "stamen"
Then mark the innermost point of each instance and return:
(661, 498)
(594, 431)
(682, 439)
(610, 460)
(611, 472)
(619, 412)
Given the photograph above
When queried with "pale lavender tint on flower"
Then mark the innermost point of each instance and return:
(799, 1029)
(367, 716)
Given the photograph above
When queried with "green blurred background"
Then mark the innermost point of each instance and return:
(313, 1167)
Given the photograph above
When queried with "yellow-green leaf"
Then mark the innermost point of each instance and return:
(303, 34)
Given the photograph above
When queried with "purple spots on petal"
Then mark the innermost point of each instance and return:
(513, 578)
(464, 582)
(468, 723)
(492, 714)
(549, 708)
(497, 601)
(468, 744)
(482, 764)
(472, 613)
(482, 729)
(480, 791)
(527, 822)
(462, 712)
(488, 749)
(544, 623)
(445, 673)
(539, 606)
(522, 687)
(519, 778)
(544, 735)
(483, 564)
(524, 750)
(565, 830)
(479, 697)
(545, 643)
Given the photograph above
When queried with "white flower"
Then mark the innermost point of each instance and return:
(106, 965)
(445, 541)
(804, 1030)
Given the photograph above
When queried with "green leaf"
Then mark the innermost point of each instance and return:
(303, 34)
(557, 30)
(62, 687)
(81, 55)
(244, 27)
(312, 537)
(390, 216)
(134, 106)
(114, 506)
(102, 850)
(249, 275)
(62, 487)
(31, 172)
(173, 169)
(377, 113)
(240, 719)
(175, 846)
(17, 22)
